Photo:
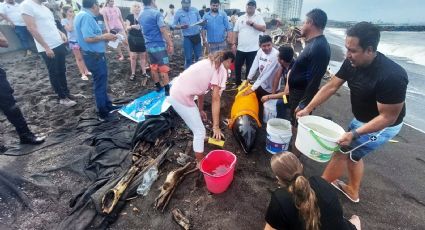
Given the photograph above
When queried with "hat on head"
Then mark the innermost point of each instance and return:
(252, 2)
(185, 1)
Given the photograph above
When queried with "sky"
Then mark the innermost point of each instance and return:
(391, 11)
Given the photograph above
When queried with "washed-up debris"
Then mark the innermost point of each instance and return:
(111, 197)
(181, 219)
(174, 178)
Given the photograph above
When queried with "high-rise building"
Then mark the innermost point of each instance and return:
(287, 9)
(225, 4)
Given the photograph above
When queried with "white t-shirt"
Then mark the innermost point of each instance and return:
(169, 18)
(248, 35)
(267, 65)
(13, 12)
(45, 22)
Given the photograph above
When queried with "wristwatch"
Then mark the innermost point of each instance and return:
(252, 24)
(356, 135)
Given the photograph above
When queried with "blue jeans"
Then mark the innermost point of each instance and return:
(24, 36)
(188, 47)
(375, 139)
(96, 64)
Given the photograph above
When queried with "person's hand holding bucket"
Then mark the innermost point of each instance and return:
(303, 112)
(346, 139)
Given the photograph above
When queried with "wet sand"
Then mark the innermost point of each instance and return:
(392, 194)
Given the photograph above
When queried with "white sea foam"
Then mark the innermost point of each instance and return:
(406, 45)
(414, 52)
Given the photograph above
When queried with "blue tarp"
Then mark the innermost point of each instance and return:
(153, 103)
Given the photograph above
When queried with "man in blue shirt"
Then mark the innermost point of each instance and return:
(92, 43)
(155, 32)
(183, 19)
(215, 31)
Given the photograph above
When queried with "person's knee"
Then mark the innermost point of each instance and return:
(163, 69)
(10, 108)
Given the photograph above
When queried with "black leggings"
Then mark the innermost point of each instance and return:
(241, 57)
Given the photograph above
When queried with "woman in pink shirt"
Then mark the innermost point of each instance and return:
(114, 22)
(197, 80)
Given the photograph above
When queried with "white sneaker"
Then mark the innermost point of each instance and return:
(89, 73)
(84, 77)
(67, 102)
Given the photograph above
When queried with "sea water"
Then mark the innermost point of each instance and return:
(220, 170)
(317, 128)
(407, 49)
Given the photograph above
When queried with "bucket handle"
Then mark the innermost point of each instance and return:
(323, 145)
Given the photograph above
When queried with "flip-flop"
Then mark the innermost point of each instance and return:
(337, 185)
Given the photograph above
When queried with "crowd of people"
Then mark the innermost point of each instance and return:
(377, 84)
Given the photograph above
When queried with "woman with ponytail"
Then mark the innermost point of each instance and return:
(197, 80)
(304, 203)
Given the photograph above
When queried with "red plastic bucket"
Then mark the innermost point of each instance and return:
(218, 168)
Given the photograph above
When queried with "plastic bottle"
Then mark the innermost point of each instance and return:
(149, 177)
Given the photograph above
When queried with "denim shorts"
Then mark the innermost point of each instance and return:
(375, 140)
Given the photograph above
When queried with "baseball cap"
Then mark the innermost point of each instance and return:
(185, 1)
(252, 2)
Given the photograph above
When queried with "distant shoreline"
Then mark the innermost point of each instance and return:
(383, 27)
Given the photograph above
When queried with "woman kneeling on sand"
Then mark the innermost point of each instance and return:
(197, 80)
(302, 203)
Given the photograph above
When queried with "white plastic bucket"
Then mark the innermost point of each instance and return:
(269, 110)
(317, 137)
(279, 133)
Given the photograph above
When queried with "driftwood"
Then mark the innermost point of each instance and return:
(171, 182)
(290, 37)
(181, 219)
(112, 196)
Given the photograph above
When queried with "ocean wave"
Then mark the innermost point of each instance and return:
(406, 45)
(340, 32)
(413, 52)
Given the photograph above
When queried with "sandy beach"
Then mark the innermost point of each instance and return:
(392, 194)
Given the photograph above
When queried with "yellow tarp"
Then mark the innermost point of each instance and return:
(244, 105)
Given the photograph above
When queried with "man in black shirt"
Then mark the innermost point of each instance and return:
(378, 91)
(309, 68)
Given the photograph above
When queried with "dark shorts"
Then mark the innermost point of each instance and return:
(136, 44)
(73, 45)
(158, 55)
(371, 141)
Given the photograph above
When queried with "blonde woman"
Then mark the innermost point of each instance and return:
(114, 23)
(199, 78)
(136, 41)
(304, 203)
(68, 23)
